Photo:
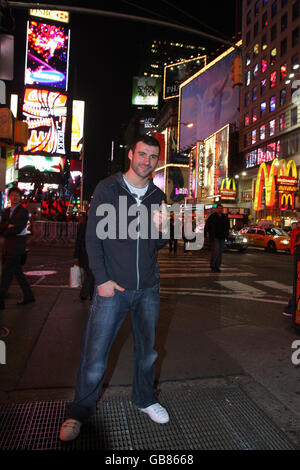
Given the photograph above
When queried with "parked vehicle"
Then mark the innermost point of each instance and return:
(235, 241)
(271, 238)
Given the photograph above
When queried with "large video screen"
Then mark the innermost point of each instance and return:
(45, 112)
(47, 55)
(52, 164)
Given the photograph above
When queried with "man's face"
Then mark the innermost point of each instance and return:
(14, 198)
(219, 210)
(144, 159)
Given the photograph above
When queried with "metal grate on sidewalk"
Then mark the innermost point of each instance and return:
(214, 418)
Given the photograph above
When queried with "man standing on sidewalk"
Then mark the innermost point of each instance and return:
(126, 275)
(217, 227)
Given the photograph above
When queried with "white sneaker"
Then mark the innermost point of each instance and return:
(157, 413)
(70, 430)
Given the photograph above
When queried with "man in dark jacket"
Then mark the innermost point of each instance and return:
(217, 227)
(13, 229)
(125, 229)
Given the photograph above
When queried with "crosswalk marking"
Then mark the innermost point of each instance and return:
(240, 288)
(277, 286)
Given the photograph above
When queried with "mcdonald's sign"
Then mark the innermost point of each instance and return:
(286, 201)
(227, 193)
(268, 175)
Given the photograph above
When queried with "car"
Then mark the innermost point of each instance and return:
(235, 241)
(270, 238)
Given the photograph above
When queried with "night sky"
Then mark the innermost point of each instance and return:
(106, 54)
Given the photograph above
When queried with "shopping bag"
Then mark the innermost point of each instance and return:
(75, 276)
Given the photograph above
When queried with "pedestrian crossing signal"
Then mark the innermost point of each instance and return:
(237, 75)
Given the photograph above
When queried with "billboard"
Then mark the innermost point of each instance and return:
(77, 124)
(47, 55)
(51, 164)
(175, 74)
(45, 112)
(221, 157)
(145, 91)
(208, 101)
(54, 15)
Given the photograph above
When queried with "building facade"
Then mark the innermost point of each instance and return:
(269, 138)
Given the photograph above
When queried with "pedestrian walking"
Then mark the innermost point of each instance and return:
(217, 226)
(172, 239)
(81, 259)
(124, 264)
(13, 228)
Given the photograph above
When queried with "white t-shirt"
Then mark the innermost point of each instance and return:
(137, 193)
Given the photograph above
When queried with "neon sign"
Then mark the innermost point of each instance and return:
(267, 174)
(227, 193)
(45, 112)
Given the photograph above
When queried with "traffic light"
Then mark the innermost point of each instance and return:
(237, 75)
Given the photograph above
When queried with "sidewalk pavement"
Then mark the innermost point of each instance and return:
(216, 398)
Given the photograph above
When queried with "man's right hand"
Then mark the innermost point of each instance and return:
(107, 289)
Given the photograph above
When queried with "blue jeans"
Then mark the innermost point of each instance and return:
(106, 316)
(217, 246)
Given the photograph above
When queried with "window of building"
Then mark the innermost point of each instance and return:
(254, 93)
(247, 98)
(273, 56)
(295, 61)
(256, 8)
(246, 119)
(282, 96)
(253, 136)
(264, 20)
(255, 71)
(264, 42)
(282, 122)
(262, 132)
(264, 65)
(273, 79)
(248, 78)
(272, 127)
(254, 114)
(274, 9)
(248, 21)
(248, 38)
(263, 86)
(245, 140)
(248, 59)
(255, 29)
(273, 32)
(296, 11)
(255, 50)
(284, 20)
(283, 72)
(272, 103)
(294, 116)
(283, 46)
(263, 108)
(295, 36)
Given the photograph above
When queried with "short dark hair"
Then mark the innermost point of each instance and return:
(219, 205)
(146, 139)
(14, 190)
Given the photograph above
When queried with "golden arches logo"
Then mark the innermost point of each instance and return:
(284, 200)
(228, 182)
(266, 175)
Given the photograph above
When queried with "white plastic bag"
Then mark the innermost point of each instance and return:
(75, 276)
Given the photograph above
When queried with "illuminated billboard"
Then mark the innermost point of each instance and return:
(175, 74)
(52, 164)
(54, 15)
(77, 124)
(208, 100)
(145, 91)
(47, 55)
(45, 112)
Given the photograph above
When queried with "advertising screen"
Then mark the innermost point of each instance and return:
(221, 157)
(145, 91)
(45, 112)
(47, 55)
(175, 74)
(52, 164)
(208, 101)
(77, 125)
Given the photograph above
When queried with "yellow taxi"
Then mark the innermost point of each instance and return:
(271, 238)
